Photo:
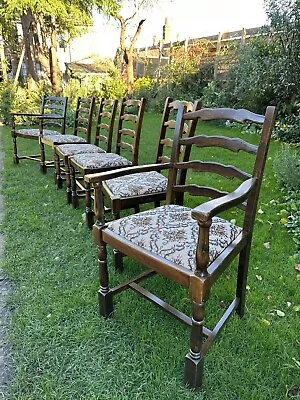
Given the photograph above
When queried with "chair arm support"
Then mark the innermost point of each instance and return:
(206, 211)
(103, 176)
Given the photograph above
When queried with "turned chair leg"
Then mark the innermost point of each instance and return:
(118, 260)
(43, 167)
(73, 187)
(104, 294)
(136, 209)
(157, 203)
(89, 214)
(68, 183)
(15, 150)
(57, 174)
(242, 278)
(194, 360)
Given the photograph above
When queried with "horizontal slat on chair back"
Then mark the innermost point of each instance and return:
(105, 124)
(233, 144)
(130, 126)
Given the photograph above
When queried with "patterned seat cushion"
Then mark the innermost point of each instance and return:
(36, 132)
(104, 160)
(137, 184)
(170, 232)
(72, 149)
(63, 138)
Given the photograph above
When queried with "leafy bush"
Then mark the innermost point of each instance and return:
(18, 99)
(288, 129)
(287, 168)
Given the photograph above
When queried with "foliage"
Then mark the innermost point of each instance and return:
(265, 70)
(287, 129)
(290, 217)
(144, 87)
(18, 99)
(287, 167)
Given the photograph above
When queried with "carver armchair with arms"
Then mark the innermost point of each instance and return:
(50, 120)
(191, 246)
(82, 125)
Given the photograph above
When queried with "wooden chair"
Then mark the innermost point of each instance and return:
(132, 190)
(83, 124)
(129, 125)
(103, 142)
(52, 114)
(191, 246)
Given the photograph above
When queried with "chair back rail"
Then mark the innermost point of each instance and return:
(105, 124)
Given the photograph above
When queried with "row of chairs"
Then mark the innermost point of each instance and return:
(190, 246)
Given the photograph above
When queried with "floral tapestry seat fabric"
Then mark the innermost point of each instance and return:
(104, 160)
(171, 232)
(36, 132)
(73, 149)
(137, 184)
(57, 139)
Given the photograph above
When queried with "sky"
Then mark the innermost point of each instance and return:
(188, 19)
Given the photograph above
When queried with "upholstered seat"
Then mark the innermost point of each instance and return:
(101, 160)
(72, 149)
(170, 232)
(35, 132)
(137, 184)
(62, 139)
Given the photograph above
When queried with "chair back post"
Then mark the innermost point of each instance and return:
(179, 128)
(259, 166)
(138, 131)
(163, 129)
(187, 150)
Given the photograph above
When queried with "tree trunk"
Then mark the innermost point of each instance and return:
(130, 73)
(54, 67)
(26, 20)
(40, 46)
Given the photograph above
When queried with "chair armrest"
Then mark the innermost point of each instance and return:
(207, 210)
(40, 116)
(103, 176)
(22, 114)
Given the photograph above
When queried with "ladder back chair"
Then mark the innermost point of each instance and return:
(134, 189)
(82, 125)
(52, 115)
(103, 142)
(190, 246)
(129, 126)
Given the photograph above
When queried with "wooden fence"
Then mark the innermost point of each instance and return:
(149, 60)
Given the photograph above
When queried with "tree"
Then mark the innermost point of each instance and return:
(42, 22)
(125, 53)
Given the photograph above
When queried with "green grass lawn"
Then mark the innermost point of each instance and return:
(62, 349)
